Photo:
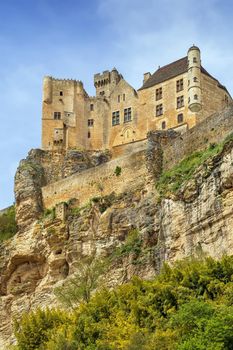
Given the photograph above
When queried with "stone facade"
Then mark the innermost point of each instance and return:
(177, 96)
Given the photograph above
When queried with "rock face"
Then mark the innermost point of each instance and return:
(198, 219)
(41, 168)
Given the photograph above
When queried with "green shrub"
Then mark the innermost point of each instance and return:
(8, 226)
(176, 310)
(117, 171)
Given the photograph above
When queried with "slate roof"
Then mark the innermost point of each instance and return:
(172, 70)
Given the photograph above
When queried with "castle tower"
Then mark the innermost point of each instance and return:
(47, 89)
(105, 82)
(194, 79)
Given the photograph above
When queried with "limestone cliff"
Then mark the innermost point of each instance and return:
(48, 247)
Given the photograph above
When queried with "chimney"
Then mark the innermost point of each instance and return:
(146, 77)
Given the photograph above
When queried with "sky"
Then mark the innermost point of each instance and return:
(75, 39)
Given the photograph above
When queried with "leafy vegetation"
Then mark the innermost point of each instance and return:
(117, 171)
(170, 181)
(189, 306)
(131, 246)
(8, 227)
(78, 289)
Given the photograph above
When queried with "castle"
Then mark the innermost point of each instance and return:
(177, 96)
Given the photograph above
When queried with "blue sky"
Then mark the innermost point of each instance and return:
(76, 39)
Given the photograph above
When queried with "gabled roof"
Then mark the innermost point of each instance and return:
(171, 71)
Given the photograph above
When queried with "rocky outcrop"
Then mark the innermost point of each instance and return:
(43, 167)
(197, 219)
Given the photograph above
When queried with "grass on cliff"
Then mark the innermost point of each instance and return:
(170, 181)
(188, 306)
(8, 227)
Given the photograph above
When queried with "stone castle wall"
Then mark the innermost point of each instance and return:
(139, 161)
(98, 181)
(213, 129)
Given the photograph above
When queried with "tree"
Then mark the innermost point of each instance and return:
(78, 289)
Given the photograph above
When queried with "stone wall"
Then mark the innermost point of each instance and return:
(98, 181)
(213, 129)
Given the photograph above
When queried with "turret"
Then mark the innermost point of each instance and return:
(194, 79)
(47, 89)
(106, 81)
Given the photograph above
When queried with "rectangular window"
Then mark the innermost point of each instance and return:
(158, 94)
(159, 110)
(123, 97)
(91, 107)
(61, 93)
(180, 102)
(118, 98)
(90, 122)
(115, 118)
(57, 115)
(88, 134)
(127, 115)
(179, 85)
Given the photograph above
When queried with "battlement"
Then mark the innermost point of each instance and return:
(62, 80)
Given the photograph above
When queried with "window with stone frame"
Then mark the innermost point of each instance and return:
(180, 102)
(179, 85)
(90, 122)
(57, 115)
(115, 118)
(158, 94)
(91, 107)
(180, 118)
(127, 115)
(163, 125)
(159, 110)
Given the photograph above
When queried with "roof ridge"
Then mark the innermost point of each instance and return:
(169, 64)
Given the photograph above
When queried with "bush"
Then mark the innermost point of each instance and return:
(8, 226)
(175, 311)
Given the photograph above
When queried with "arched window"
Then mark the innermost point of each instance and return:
(180, 118)
(163, 125)
(195, 97)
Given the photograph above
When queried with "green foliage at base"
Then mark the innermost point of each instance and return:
(170, 181)
(8, 227)
(186, 307)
